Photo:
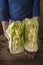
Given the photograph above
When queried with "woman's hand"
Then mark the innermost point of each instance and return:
(5, 26)
(38, 18)
(6, 36)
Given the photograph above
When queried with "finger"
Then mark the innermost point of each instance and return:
(7, 37)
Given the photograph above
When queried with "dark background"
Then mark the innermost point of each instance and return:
(41, 19)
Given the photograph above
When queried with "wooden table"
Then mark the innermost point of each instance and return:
(6, 58)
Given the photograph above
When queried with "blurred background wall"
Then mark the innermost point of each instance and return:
(41, 19)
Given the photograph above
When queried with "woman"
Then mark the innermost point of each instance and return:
(17, 10)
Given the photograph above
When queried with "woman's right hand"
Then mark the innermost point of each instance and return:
(5, 26)
(6, 36)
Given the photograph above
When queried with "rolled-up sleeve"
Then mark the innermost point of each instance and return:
(36, 8)
(4, 10)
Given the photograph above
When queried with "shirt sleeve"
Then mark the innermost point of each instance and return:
(36, 8)
(4, 10)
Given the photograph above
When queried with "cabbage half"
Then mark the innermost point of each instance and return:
(31, 35)
(23, 35)
(15, 32)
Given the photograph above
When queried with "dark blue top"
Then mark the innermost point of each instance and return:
(18, 9)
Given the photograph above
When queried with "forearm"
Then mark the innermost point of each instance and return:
(5, 25)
